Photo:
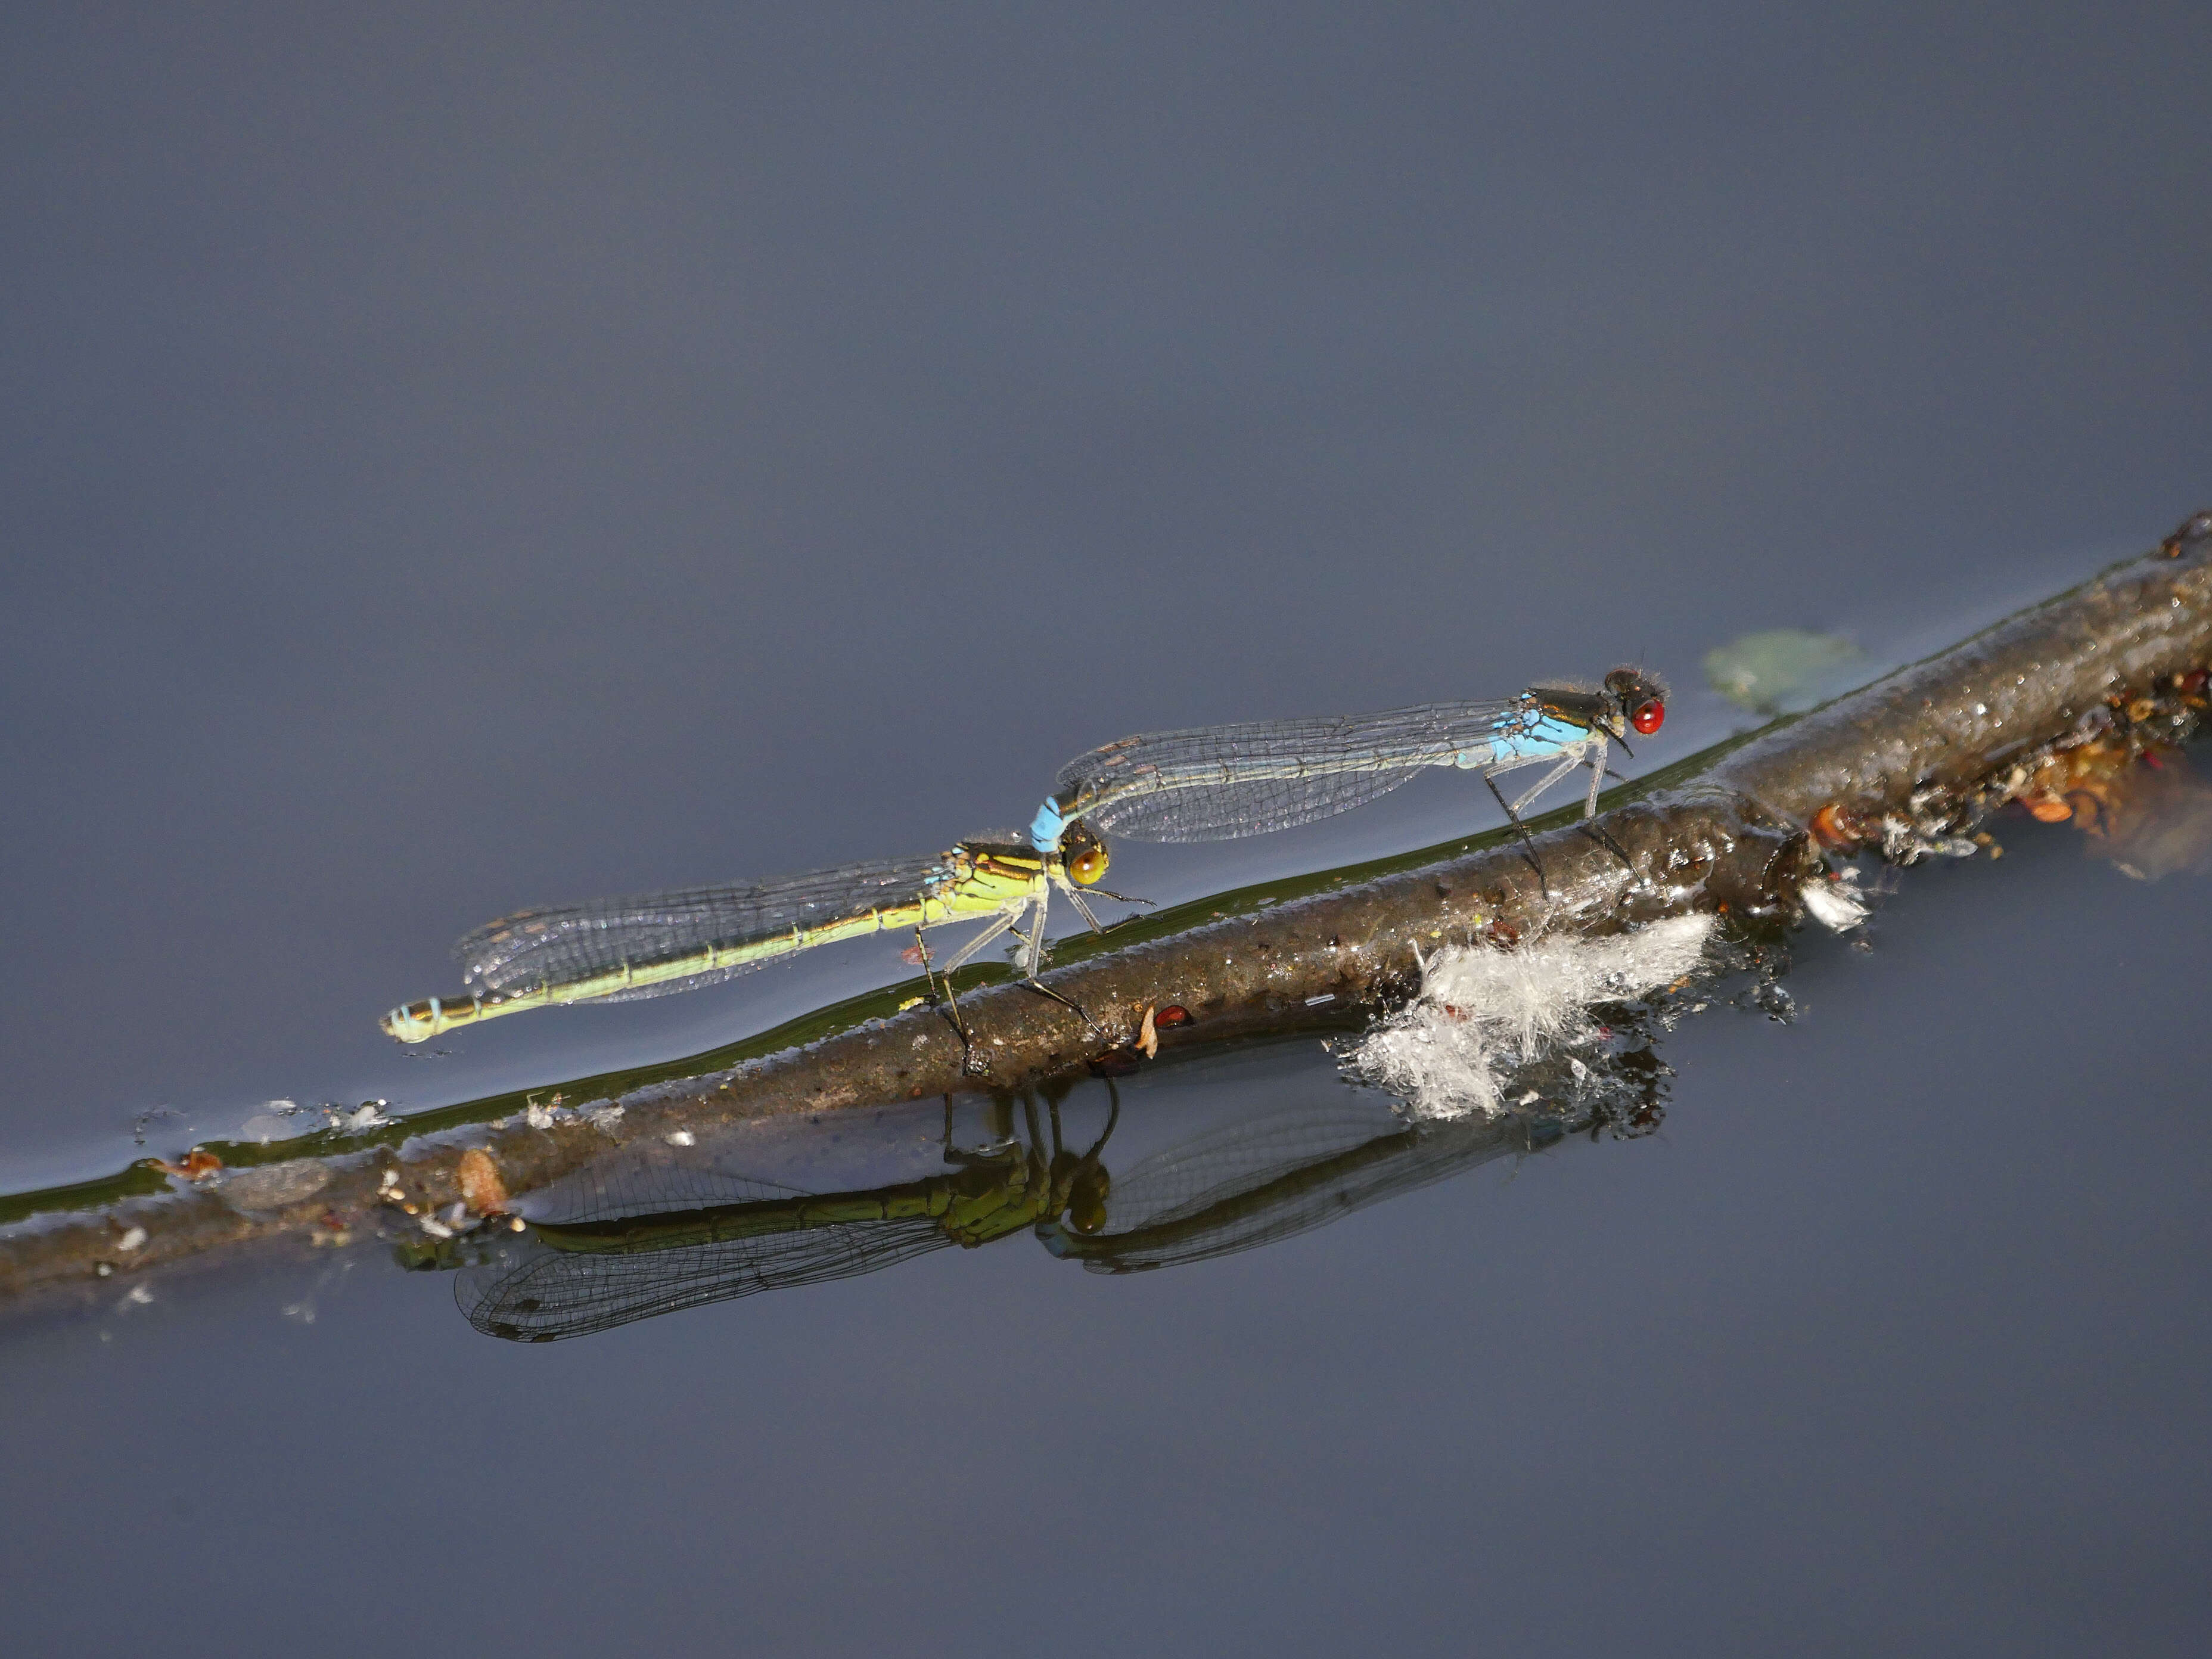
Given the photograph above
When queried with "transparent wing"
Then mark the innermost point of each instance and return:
(1244, 1154)
(1252, 1184)
(568, 943)
(643, 1181)
(652, 1229)
(535, 1293)
(1218, 782)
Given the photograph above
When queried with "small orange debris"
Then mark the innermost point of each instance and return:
(1148, 1036)
(198, 1165)
(1835, 826)
(2146, 812)
(481, 1190)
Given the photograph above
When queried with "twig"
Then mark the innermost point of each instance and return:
(1906, 763)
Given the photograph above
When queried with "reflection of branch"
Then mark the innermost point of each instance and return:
(2142, 806)
(1906, 763)
(680, 1230)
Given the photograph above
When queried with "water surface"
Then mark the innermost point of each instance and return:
(453, 465)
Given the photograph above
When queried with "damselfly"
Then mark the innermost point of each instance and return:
(1218, 782)
(623, 950)
(635, 1238)
(652, 1229)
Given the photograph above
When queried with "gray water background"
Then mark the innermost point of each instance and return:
(457, 462)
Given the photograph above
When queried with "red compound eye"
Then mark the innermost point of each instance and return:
(1648, 717)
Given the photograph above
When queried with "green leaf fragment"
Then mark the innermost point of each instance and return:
(1781, 669)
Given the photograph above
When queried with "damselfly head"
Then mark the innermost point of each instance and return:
(1086, 1200)
(1082, 853)
(1641, 698)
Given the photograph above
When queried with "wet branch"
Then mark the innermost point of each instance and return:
(1907, 765)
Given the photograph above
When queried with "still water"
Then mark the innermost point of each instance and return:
(458, 464)
(1887, 1333)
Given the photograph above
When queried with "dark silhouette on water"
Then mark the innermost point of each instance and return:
(649, 1231)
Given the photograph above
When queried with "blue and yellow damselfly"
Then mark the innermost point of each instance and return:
(623, 950)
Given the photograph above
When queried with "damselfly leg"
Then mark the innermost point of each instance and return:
(971, 1063)
(1596, 831)
(1075, 898)
(998, 1126)
(1580, 756)
(1528, 842)
(1000, 924)
(1084, 910)
(1033, 946)
(1033, 959)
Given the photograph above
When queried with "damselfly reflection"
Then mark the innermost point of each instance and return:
(1297, 1158)
(637, 1234)
(1269, 1146)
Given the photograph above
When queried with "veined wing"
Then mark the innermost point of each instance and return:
(539, 1294)
(1252, 1184)
(644, 1180)
(568, 944)
(651, 1230)
(1218, 782)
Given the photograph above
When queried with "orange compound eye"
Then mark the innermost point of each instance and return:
(1648, 717)
(1087, 865)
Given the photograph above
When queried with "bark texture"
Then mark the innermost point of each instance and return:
(1908, 762)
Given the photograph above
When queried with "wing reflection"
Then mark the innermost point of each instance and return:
(1253, 1183)
(1222, 1154)
(654, 1232)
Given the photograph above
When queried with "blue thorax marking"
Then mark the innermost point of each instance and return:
(1523, 736)
(1045, 828)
